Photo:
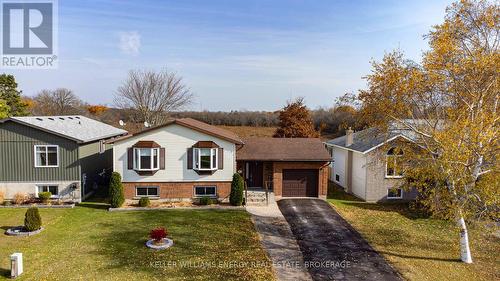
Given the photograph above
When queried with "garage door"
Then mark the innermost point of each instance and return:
(300, 183)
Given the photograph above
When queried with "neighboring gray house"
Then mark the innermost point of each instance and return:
(60, 154)
(365, 164)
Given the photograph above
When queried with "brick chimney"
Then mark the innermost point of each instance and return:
(349, 137)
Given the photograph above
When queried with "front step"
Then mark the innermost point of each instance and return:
(258, 198)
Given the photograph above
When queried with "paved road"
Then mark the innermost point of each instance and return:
(332, 249)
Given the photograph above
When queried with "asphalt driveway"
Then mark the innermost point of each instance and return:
(332, 249)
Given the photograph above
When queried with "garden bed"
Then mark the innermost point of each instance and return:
(177, 206)
(40, 205)
(21, 231)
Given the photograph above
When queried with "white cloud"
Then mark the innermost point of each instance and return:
(130, 42)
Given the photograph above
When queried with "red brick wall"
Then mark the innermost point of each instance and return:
(322, 175)
(176, 190)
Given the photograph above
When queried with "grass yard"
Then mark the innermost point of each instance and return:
(88, 242)
(419, 248)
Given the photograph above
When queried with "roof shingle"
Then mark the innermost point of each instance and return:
(283, 149)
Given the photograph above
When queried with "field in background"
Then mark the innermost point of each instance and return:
(249, 131)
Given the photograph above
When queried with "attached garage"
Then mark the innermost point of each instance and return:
(288, 167)
(300, 183)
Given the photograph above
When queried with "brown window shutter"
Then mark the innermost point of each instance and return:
(130, 158)
(162, 158)
(220, 159)
(190, 158)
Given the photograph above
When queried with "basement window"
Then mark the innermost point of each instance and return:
(395, 193)
(205, 191)
(53, 189)
(147, 191)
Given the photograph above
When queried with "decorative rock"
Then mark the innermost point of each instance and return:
(20, 231)
(167, 243)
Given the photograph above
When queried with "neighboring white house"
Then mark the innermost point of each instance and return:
(365, 164)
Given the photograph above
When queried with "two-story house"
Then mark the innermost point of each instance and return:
(65, 155)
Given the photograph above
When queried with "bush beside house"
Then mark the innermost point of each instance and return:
(236, 196)
(144, 202)
(32, 219)
(44, 196)
(117, 197)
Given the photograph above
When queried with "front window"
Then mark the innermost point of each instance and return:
(53, 189)
(205, 158)
(395, 193)
(394, 167)
(146, 159)
(205, 191)
(46, 156)
(147, 191)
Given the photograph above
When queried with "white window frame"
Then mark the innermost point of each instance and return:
(102, 147)
(148, 186)
(47, 184)
(394, 159)
(398, 197)
(46, 155)
(205, 186)
(197, 162)
(136, 165)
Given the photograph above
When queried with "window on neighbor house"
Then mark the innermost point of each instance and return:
(337, 177)
(394, 167)
(205, 158)
(394, 193)
(102, 146)
(46, 156)
(205, 191)
(146, 159)
(147, 191)
(53, 189)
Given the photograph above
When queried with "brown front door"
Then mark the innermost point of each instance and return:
(300, 183)
(255, 174)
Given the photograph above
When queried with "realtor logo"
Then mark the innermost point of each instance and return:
(29, 34)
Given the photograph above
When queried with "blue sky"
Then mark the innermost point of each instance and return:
(234, 55)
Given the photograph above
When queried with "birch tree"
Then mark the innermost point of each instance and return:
(153, 95)
(449, 104)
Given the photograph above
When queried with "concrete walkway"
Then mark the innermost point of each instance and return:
(279, 242)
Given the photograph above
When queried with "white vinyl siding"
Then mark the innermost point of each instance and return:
(359, 175)
(176, 140)
(340, 159)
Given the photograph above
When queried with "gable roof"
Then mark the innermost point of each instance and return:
(283, 149)
(195, 125)
(366, 140)
(75, 127)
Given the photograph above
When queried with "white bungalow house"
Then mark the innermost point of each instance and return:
(365, 164)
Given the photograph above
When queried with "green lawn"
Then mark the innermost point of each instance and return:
(88, 242)
(419, 248)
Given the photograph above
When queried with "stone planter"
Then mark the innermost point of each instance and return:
(167, 243)
(21, 231)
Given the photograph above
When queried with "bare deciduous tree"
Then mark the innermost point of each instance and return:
(153, 95)
(57, 102)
